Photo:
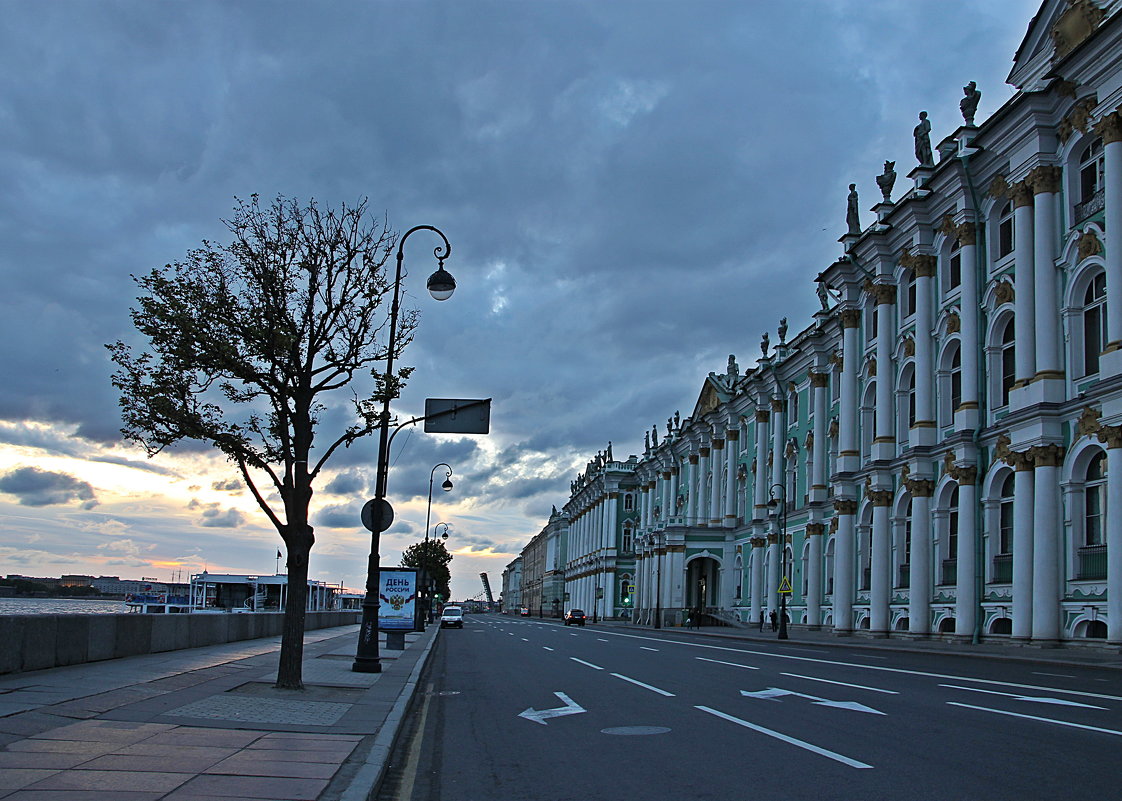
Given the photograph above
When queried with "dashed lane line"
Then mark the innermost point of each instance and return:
(589, 664)
(841, 683)
(730, 664)
(853, 763)
(644, 686)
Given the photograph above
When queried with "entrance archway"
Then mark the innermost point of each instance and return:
(703, 583)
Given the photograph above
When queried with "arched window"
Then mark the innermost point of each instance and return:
(910, 293)
(956, 380)
(1095, 501)
(871, 324)
(628, 502)
(793, 408)
(1090, 181)
(954, 267)
(1008, 362)
(903, 576)
(1094, 323)
(628, 544)
(1005, 518)
(952, 526)
(1005, 238)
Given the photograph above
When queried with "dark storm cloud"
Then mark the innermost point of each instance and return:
(341, 516)
(35, 487)
(347, 483)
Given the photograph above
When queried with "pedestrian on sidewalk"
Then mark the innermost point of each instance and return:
(761, 620)
(774, 621)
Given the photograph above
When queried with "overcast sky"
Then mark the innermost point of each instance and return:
(633, 191)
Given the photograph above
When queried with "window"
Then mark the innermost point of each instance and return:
(793, 409)
(956, 380)
(627, 538)
(910, 294)
(871, 327)
(1094, 327)
(1091, 171)
(1008, 362)
(952, 527)
(1005, 518)
(954, 267)
(628, 502)
(1005, 230)
(1095, 501)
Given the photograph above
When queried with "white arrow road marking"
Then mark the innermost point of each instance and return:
(539, 715)
(1057, 701)
(853, 763)
(1034, 717)
(772, 693)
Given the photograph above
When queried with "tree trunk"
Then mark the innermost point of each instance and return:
(290, 671)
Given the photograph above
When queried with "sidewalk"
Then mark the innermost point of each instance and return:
(1091, 655)
(206, 724)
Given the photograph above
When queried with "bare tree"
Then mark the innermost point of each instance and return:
(250, 343)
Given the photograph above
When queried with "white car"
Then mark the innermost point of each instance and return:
(452, 616)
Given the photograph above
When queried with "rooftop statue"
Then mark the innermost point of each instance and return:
(886, 180)
(733, 368)
(823, 295)
(969, 104)
(852, 218)
(922, 134)
(764, 342)
(782, 330)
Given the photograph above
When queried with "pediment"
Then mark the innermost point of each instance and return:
(1059, 27)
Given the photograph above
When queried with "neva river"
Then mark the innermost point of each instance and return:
(59, 606)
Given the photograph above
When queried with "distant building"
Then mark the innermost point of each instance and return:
(937, 452)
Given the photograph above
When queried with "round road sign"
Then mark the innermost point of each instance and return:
(377, 515)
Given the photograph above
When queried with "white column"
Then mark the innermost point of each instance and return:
(1046, 184)
(924, 267)
(843, 563)
(919, 559)
(701, 509)
(880, 578)
(716, 471)
(818, 390)
(757, 577)
(885, 295)
(1024, 483)
(732, 440)
(1112, 436)
(1047, 532)
(968, 321)
(691, 483)
(848, 453)
(762, 476)
(773, 557)
(966, 590)
(814, 533)
(1024, 283)
(612, 522)
(778, 449)
(1110, 129)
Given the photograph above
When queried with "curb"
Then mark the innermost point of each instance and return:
(368, 779)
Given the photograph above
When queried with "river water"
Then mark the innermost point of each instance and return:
(59, 606)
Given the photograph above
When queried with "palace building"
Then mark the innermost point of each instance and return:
(940, 451)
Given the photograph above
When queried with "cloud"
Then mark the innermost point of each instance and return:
(228, 485)
(35, 487)
(350, 482)
(213, 517)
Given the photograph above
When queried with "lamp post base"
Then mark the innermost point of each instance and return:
(362, 665)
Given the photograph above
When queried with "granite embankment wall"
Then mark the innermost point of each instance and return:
(33, 642)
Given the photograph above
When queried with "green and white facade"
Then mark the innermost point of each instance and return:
(945, 436)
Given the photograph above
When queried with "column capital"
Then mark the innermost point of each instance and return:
(1047, 455)
(850, 318)
(880, 497)
(845, 506)
(757, 542)
(1021, 193)
(773, 538)
(718, 444)
(921, 264)
(1111, 436)
(703, 451)
(919, 487)
(732, 434)
(819, 380)
(1110, 127)
(884, 294)
(777, 405)
(1045, 179)
(1020, 461)
(762, 415)
(967, 233)
(815, 529)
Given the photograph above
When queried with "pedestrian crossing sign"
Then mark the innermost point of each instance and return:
(785, 587)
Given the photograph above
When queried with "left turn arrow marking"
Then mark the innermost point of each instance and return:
(539, 715)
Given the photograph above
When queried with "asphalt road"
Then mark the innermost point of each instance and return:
(521, 709)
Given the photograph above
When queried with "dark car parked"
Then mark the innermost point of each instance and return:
(574, 616)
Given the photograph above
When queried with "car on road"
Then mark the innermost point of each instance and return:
(524, 612)
(452, 617)
(575, 616)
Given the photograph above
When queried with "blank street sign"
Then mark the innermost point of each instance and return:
(457, 416)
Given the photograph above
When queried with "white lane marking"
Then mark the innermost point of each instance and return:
(772, 693)
(641, 684)
(645, 648)
(539, 715)
(524, 639)
(730, 664)
(853, 763)
(546, 647)
(870, 656)
(600, 639)
(842, 683)
(1035, 717)
(572, 634)
(905, 671)
(1057, 675)
(595, 667)
(1057, 701)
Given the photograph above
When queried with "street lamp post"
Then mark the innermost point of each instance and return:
(432, 579)
(441, 285)
(658, 580)
(446, 486)
(779, 507)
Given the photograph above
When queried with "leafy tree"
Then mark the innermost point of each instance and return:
(432, 556)
(250, 343)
